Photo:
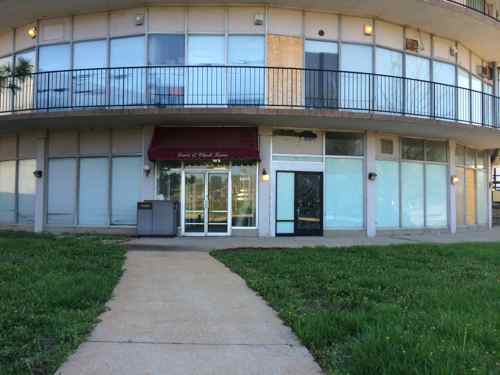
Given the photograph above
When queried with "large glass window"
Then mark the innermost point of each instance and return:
(444, 91)
(477, 100)
(355, 88)
(169, 184)
(94, 191)
(436, 195)
(54, 82)
(26, 191)
(244, 195)
(25, 94)
(322, 62)
(127, 79)
(89, 86)
(488, 103)
(387, 194)
(463, 95)
(412, 149)
(247, 78)
(126, 180)
(167, 55)
(346, 144)
(206, 80)
(285, 203)
(7, 192)
(62, 192)
(388, 84)
(460, 196)
(418, 88)
(412, 195)
(5, 92)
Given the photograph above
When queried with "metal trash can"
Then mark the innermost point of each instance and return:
(157, 218)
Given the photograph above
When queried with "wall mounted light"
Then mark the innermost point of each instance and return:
(258, 19)
(454, 180)
(33, 32)
(38, 173)
(139, 20)
(147, 170)
(372, 176)
(368, 29)
(492, 185)
(265, 176)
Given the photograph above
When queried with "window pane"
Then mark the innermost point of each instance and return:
(125, 194)
(445, 94)
(206, 84)
(127, 83)
(460, 196)
(412, 149)
(344, 208)
(470, 192)
(463, 95)
(53, 85)
(387, 194)
(322, 60)
(285, 203)
(167, 83)
(94, 192)
(62, 191)
(5, 93)
(244, 195)
(436, 151)
(436, 195)
(481, 160)
(388, 87)
(418, 88)
(247, 81)
(488, 103)
(89, 86)
(169, 184)
(344, 144)
(412, 195)
(24, 96)
(460, 155)
(482, 197)
(7, 192)
(27, 191)
(470, 158)
(477, 102)
(355, 88)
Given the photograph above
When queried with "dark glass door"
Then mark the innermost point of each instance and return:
(308, 204)
(322, 63)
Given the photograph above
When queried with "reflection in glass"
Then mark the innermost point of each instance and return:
(387, 194)
(355, 88)
(217, 202)
(344, 144)
(244, 195)
(7, 192)
(53, 84)
(322, 58)
(194, 216)
(418, 89)
(444, 92)
(26, 191)
(89, 86)
(436, 196)
(463, 95)
(389, 85)
(25, 94)
(412, 195)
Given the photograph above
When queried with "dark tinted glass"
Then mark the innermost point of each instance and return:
(412, 149)
(166, 50)
(349, 144)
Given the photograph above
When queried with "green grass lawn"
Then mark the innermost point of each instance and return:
(411, 309)
(52, 290)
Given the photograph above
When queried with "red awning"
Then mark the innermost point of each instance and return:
(204, 143)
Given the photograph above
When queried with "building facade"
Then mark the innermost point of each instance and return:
(257, 120)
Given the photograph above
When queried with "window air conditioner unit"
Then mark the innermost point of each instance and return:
(412, 45)
(453, 52)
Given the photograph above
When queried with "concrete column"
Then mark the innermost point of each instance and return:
(452, 191)
(371, 186)
(265, 187)
(147, 182)
(41, 183)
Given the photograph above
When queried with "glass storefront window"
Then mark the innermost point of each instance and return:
(436, 151)
(169, 181)
(412, 195)
(244, 195)
(26, 191)
(460, 155)
(7, 192)
(345, 144)
(436, 196)
(412, 149)
(62, 191)
(387, 194)
(126, 181)
(93, 191)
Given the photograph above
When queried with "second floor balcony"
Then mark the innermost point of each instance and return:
(246, 86)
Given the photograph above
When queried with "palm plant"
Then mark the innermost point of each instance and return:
(11, 78)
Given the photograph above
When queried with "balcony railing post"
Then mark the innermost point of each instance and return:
(48, 92)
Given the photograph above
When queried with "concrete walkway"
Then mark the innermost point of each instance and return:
(185, 313)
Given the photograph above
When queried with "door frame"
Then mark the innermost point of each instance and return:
(297, 232)
(206, 173)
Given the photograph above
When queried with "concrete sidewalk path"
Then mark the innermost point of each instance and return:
(185, 313)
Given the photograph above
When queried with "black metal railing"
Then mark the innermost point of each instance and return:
(478, 6)
(229, 86)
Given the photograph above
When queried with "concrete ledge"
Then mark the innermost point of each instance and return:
(124, 231)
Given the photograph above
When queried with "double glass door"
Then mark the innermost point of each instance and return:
(206, 203)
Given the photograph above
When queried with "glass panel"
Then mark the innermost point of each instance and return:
(470, 158)
(54, 85)
(218, 202)
(477, 102)
(387, 194)
(125, 192)
(285, 202)
(194, 216)
(488, 103)
(388, 87)
(460, 196)
(206, 83)
(127, 82)
(308, 203)
(344, 144)
(480, 160)
(322, 59)
(412, 195)
(482, 197)
(247, 83)
(344, 207)
(62, 192)
(445, 92)
(463, 95)
(244, 195)
(470, 192)
(436, 151)
(24, 98)
(5, 83)
(355, 88)
(7, 192)
(418, 88)
(169, 185)
(436, 198)
(94, 192)
(27, 191)
(412, 149)
(460, 155)
(167, 82)
(89, 86)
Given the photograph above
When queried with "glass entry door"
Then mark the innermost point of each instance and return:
(206, 203)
